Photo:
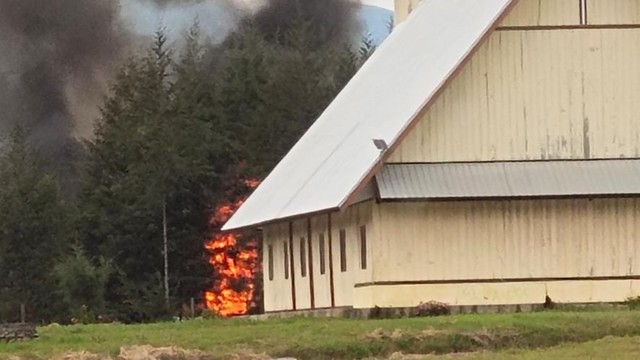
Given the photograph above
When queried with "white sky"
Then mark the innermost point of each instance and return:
(387, 4)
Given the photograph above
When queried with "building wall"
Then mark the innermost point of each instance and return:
(505, 252)
(619, 12)
(351, 220)
(537, 94)
(278, 292)
(544, 13)
(322, 282)
(303, 293)
(550, 13)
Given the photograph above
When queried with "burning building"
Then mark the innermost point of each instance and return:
(504, 169)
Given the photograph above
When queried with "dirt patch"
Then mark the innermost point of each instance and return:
(147, 352)
(401, 356)
(144, 352)
(80, 355)
(396, 334)
(248, 355)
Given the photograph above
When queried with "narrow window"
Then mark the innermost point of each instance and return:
(286, 259)
(303, 258)
(270, 262)
(343, 250)
(322, 261)
(363, 247)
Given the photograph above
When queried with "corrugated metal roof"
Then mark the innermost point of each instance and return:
(336, 154)
(509, 179)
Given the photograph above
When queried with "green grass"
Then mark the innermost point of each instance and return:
(307, 338)
(618, 348)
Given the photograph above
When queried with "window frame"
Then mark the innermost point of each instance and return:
(363, 247)
(286, 259)
(270, 262)
(322, 254)
(303, 257)
(343, 251)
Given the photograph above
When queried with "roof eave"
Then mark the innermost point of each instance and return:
(278, 220)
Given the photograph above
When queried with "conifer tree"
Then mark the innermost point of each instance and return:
(35, 226)
(152, 173)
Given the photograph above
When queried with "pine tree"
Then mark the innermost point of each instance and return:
(152, 175)
(35, 226)
(125, 183)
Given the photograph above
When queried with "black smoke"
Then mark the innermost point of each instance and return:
(54, 55)
(57, 56)
(328, 20)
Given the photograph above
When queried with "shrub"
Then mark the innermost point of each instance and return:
(431, 308)
(633, 303)
(82, 284)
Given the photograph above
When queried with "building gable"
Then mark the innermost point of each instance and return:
(540, 92)
(544, 13)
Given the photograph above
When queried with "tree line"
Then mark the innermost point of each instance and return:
(177, 134)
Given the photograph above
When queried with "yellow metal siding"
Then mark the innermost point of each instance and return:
(403, 8)
(277, 292)
(322, 284)
(613, 12)
(303, 295)
(499, 293)
(350, 220)
(544, 13)
(544, 94)
(508, 240)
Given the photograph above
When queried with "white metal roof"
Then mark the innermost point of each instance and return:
(337, 153)
(509, 179)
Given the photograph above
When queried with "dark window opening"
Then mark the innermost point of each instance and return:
(270, 254)
(343, 250)
(286, 260)
(322, 261)
(363, 247)
(303, 258)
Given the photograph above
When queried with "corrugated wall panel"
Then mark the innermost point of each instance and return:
(322, 283)
(277, 292)
(529, 95)
(508, 240)
(350, 220)
(614, 133)
(303, 294)
(544, 13)
(613, 12)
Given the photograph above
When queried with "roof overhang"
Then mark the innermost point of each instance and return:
(510, 180)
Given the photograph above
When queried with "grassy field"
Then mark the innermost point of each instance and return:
(618, 348)
(498, 336)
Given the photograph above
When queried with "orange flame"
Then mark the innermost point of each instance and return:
(234, 265)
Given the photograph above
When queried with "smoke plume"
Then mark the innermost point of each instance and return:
(54, 55)
(57, 56)
(329, 20)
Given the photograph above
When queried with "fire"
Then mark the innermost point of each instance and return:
(234, 262)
